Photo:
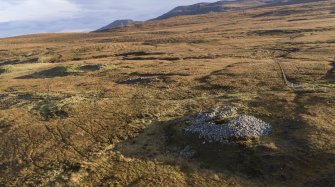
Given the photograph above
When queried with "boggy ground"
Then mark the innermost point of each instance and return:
(74, 112)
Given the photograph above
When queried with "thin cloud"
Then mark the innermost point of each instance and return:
(74, 15)
(36, 10)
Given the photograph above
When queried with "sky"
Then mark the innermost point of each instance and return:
(19, 17)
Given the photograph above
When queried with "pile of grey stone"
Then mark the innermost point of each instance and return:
(224, 124)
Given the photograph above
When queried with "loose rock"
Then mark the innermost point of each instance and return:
(224, 124)
(187, 152)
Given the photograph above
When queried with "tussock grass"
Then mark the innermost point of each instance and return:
(13, 68)
(67, 120)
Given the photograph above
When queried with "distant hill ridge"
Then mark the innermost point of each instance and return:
(226, 5)
(205, 8)
(117, 23)
(200, 8)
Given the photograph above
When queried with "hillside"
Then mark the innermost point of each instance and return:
(126, 107)
(223, 6)
(200, 8)
(206, 8)
(117, 23)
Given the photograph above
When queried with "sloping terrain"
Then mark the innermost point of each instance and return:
(105, 109)
(200, 8)
(223, 6)
(219, 6)
(117, 23)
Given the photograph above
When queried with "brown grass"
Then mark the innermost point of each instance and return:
(63, 121)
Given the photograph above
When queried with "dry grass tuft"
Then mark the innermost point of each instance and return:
(67, 119)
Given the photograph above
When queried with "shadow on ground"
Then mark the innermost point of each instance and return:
(62, 71)
(293, 161)
(330, 75)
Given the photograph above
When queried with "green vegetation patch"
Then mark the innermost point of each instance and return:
(68, 70)
(49, 59)
(275, 32)
(13, 68)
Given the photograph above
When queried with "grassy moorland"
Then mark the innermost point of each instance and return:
(74, 110)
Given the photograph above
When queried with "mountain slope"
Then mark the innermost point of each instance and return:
(221, 6)
(205, 8)
(200, 8)
(117, 23)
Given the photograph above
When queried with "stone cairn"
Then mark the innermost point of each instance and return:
(224, 124)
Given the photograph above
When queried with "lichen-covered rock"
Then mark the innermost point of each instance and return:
(224, 124)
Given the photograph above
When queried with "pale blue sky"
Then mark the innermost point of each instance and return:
(18, 17)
